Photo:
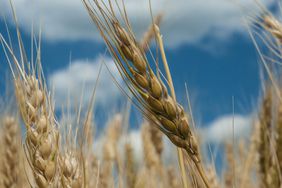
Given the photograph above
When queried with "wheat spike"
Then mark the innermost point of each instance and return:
(153, 98)
(130, 166)
(42, 137)
(110, 154)
(279, 138)
(11, 156)
(267, 170)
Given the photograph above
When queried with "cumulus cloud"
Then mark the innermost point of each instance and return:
(185, 20)
(80, 78)
(223, 128)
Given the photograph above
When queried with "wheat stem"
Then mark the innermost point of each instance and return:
(171, 86)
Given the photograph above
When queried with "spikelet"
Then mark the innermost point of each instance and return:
(273, 26)
(70, 166)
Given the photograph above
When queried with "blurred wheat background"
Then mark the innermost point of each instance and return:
(140, 93)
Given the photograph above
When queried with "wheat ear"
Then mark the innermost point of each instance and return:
(11, 163)
(154, 100)
(130, 166)
(279, 139)
(42, 137)
(110, 153)
(41, 143)
(267, 170)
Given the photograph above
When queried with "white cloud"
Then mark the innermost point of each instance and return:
(185, 20)
(80, 78)
(222, 129)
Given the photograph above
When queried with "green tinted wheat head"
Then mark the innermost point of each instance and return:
(154, 100)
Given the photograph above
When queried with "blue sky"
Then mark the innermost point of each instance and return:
(207, 47)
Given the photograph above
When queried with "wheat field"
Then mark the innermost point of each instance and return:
(40, 150)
